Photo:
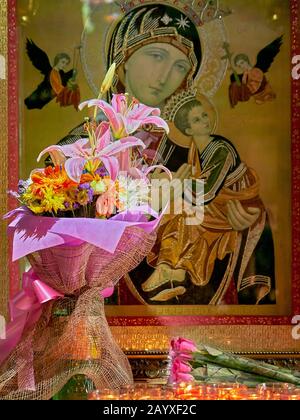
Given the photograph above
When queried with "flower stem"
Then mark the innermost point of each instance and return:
(95, 110)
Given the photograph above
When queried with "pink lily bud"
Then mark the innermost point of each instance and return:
(108, 79)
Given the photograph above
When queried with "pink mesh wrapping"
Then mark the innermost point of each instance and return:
(59, 347)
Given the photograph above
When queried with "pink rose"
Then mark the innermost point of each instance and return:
(185, 357)
(182, 345)
(180, 371)
(183, 377)
(180, 366)
(105, 203)
(105, 293)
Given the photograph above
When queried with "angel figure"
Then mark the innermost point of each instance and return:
(56, 84)
(252, 81)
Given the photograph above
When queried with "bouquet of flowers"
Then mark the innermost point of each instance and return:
(84, 222)
(203, 363)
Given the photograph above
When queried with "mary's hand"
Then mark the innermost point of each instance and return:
(239, 218)
(182, 173)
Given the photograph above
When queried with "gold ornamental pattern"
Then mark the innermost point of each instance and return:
(4, 278)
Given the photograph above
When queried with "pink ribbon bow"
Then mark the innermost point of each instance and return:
(25, 311)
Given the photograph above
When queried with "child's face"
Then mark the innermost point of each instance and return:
(199, 123)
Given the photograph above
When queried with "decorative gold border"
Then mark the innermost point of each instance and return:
(191, 310)
(4, 275)
(274, 341)
(258, 355)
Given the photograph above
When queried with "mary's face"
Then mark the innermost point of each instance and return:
(155, 72)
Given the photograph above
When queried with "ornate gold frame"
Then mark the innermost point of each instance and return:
(260, 341)
(263, 341)
(4, 275)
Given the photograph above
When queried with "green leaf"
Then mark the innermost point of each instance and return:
(212, 351)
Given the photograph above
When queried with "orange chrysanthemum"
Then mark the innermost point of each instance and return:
(55, 178)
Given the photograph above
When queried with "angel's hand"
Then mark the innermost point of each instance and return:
(70, 84)
(74, 75)
(239, 218)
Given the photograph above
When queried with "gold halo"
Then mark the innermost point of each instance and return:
(175, 135)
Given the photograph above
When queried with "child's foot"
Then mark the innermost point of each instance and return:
(169, 294)
(162, 275)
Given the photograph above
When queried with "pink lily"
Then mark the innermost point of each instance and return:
(76, 155)
(126, 118)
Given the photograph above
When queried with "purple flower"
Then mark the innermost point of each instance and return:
(102, 171)
(85, 186)
(13, 194)
(22, 186)
(90, 194)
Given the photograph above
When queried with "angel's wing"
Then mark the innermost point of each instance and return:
(38, 57)
(266, 56)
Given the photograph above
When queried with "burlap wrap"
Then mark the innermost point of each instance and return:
(72, 335)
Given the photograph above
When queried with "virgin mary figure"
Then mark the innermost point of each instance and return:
(158, 54)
